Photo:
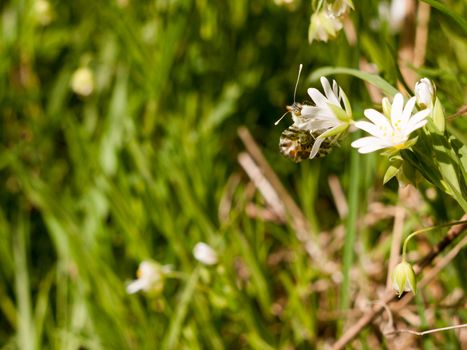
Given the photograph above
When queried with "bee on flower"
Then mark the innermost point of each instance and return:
(328, 119)
(317, 128)
(331, 111)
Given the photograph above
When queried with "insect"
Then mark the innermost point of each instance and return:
(297, 143)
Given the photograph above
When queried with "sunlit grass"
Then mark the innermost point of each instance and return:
(93, 185)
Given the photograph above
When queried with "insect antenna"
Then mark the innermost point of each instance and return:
(282, 117)
(296, 83)
(294, 93)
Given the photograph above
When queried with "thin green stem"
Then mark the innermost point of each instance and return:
(404, 247)
(351, 230)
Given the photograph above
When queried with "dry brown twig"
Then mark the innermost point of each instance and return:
(264, 177)
(406, 49)
(434, 330)
(421, 33)
(338, 195)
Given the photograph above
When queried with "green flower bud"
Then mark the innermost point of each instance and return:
(403, 278)
(438, 116)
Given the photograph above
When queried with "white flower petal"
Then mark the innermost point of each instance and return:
(369, 144)
(329, 92)
(364, 141)
(315, 148)
(407, 112)
(414, 127)
(317, 97)
(370, 128)
(136, 286)
(419, 116)
(372, 148)
(396, 108)
(326, 114)
(205, 254)
(377, 118)
(308, 111)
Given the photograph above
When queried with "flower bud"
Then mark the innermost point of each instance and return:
(205, 254)
(403, 278)
(82, 81)
(439, 119)
(425, 92)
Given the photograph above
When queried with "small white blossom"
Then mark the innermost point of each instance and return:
(403, 278)
(325, 23)
(205, 254)
(425, 93)
(330, 111)
(150, 277)
(284, 2)
(43, 12)
(397, 14)
(82, 81)
(123, 3)
(323, 26)
(391, 129)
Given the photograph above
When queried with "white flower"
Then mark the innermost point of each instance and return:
(284, 2)
(425, 91)
(123, 3)
(397, 14)
(43, 12)
(325, 23)
(391, 129)
(205, 254)
(151, 277)
(331, 111)
(82, 81)
(323, 26)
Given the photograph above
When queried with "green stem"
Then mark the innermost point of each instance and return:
(351, 231)
(404, 247)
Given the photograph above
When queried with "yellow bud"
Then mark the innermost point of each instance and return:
(82, 81)
(403, 278)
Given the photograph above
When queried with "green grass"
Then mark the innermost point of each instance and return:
(91, 186)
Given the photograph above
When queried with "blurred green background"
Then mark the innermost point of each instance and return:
(93, 185)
